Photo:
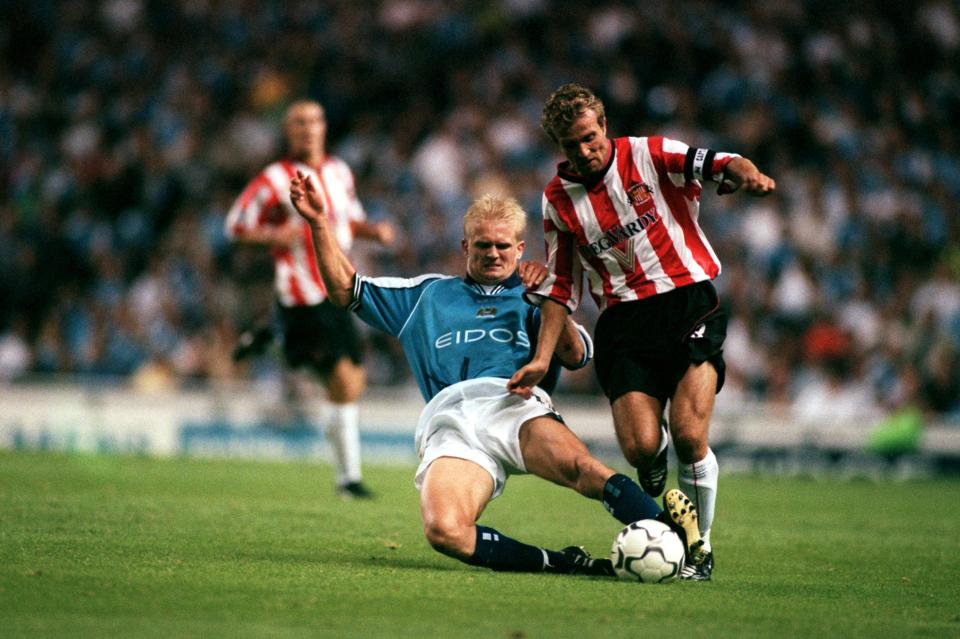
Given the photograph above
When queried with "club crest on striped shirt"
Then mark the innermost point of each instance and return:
(638, 193)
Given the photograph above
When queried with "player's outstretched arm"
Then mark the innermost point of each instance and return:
(335, 269)
(741, 174)
(552, 318)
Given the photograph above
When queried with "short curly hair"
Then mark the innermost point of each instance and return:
(565, 105)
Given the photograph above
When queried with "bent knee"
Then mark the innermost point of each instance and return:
(639, 442)
(641, 451)
(451, 537)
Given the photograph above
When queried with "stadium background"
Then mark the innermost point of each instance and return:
(127, 127)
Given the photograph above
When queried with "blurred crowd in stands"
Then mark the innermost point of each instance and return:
(127, 127)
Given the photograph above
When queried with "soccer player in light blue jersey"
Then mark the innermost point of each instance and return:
(464, 337)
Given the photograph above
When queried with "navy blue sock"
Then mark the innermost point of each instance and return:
(499, 552)
(626, 501)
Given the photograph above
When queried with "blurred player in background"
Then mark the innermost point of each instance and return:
(317, 335)
(463, 337)
(624, 211)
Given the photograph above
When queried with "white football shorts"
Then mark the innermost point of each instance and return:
(478, 420)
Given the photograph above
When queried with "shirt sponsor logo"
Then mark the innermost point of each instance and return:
(471, 335)
(616, 237)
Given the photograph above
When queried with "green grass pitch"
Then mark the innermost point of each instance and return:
(94, 546)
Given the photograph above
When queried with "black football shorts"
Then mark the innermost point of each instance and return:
(647, 345)
(319, 336)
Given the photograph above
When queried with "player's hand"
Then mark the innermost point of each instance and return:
(532, 274)
(526, 378)
(385, 233)
(306, 199)
(741, 174)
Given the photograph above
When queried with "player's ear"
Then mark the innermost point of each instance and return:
(464, 245)
(520, 246)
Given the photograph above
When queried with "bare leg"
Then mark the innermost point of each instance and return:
(552, 451)
(690, 411)
(346, 382)
(454, 493)
(636, 419)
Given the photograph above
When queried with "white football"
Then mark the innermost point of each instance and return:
(648, 551)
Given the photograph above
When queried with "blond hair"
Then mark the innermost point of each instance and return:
(497, 208)
(565, 105)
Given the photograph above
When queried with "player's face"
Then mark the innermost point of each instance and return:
(585, 144)
(306, 129)
(492, 250)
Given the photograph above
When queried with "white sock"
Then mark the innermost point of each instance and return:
(343, 434)
(664, 437)
(699, 481)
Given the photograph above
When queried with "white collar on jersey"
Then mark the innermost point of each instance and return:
(493, 289)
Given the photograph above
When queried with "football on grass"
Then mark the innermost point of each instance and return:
(647, 551)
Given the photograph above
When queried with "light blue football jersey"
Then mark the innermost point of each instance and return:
(454, 329)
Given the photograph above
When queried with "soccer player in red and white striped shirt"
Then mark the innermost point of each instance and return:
(624, 212)
(316, 334)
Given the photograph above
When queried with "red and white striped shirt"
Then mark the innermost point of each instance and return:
(634, 230)
(265, 201)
